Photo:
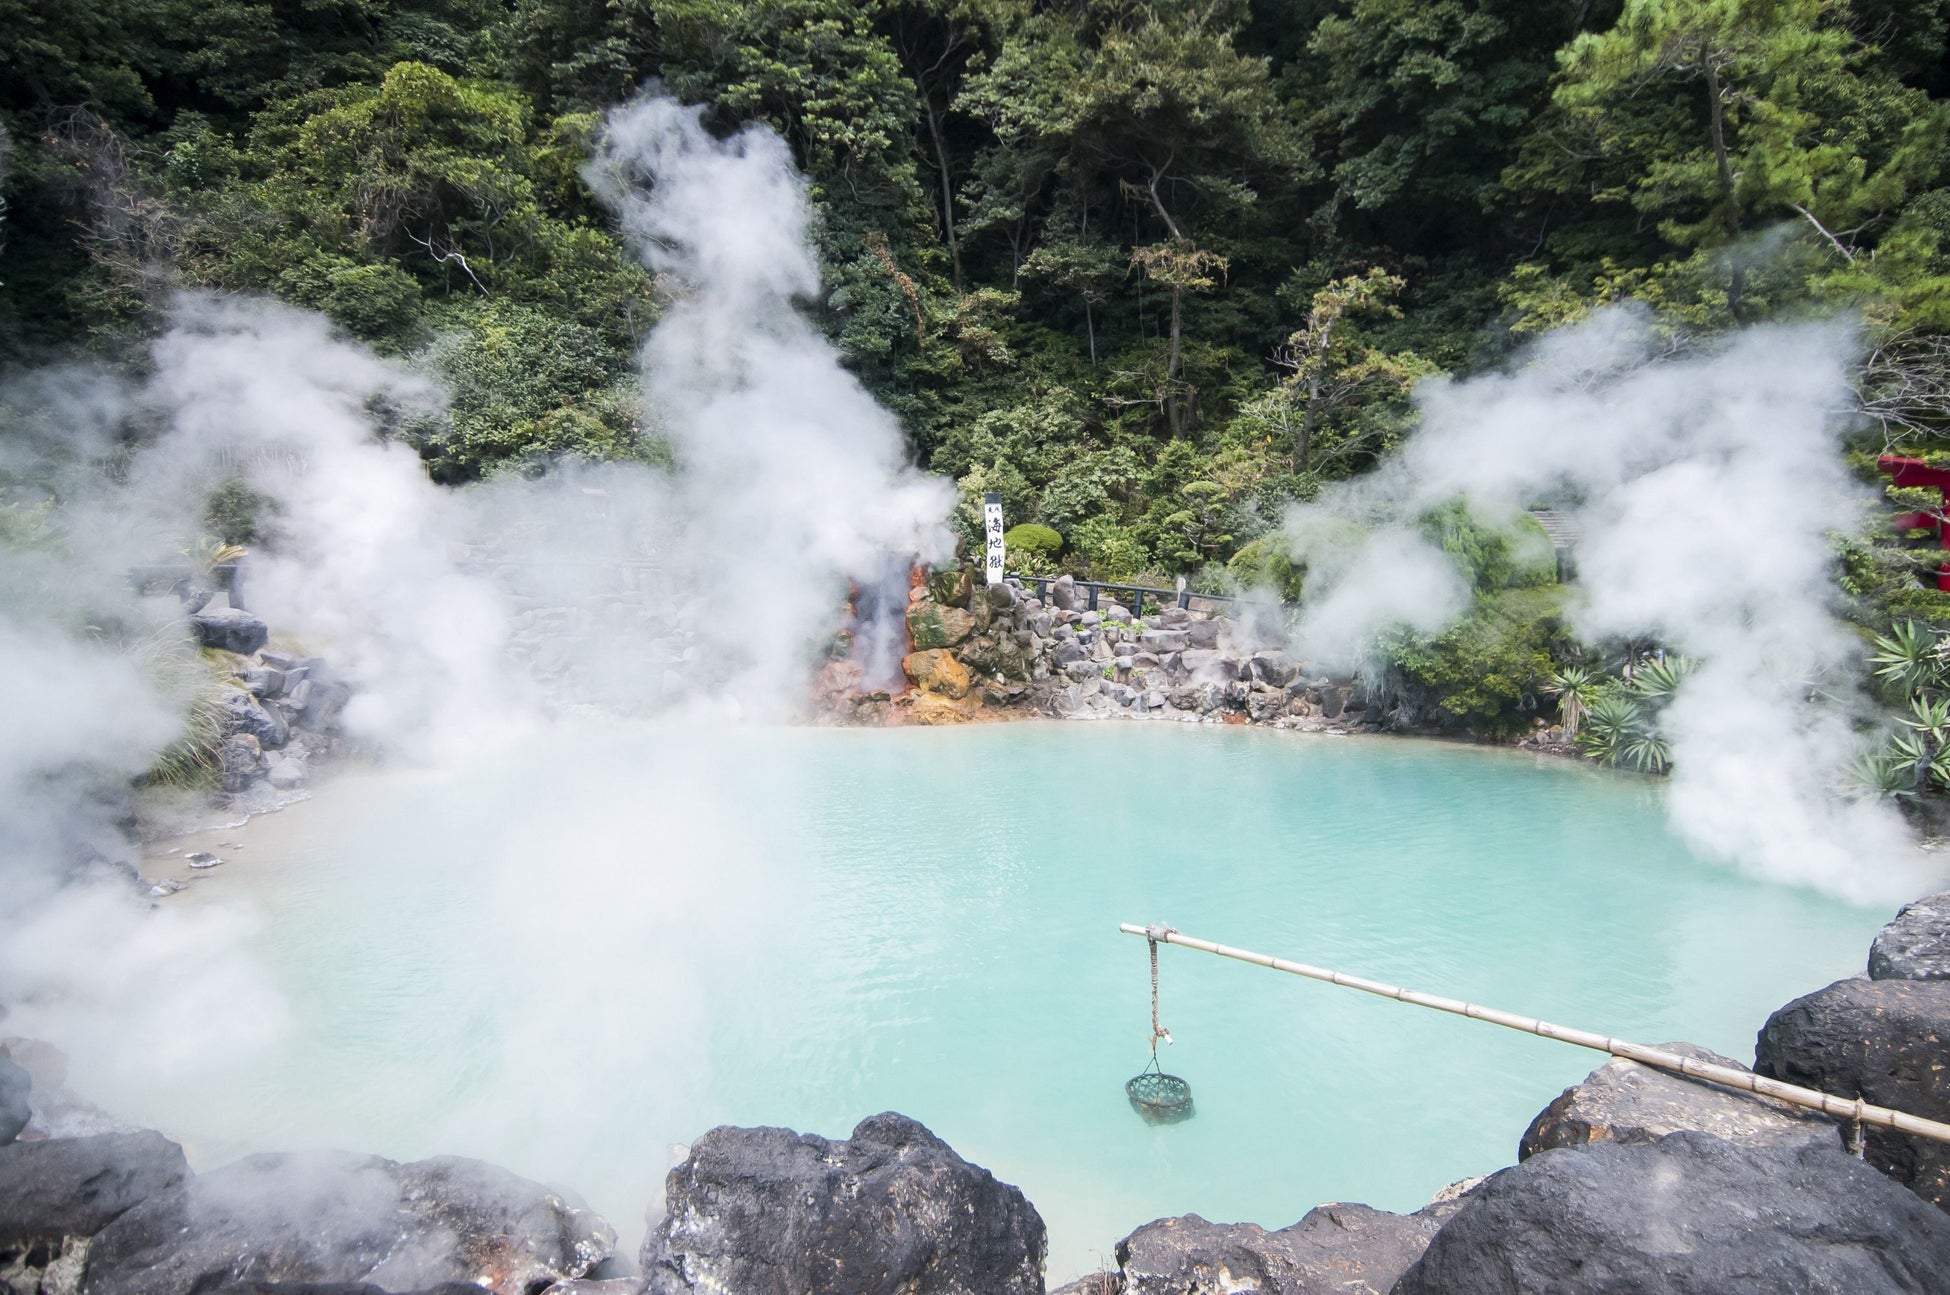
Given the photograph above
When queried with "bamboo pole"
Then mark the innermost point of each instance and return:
(1853, 1110)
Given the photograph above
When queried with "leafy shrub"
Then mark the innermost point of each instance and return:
(236, 514)
(1107, 551)
(1489, 673)
(1032, 547)
(1265, 564)
(1514, 555)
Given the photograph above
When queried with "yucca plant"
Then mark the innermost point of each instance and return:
(1884, 774)
(1612, 721)
(1659, 677)
(1573, 686)
(1911, 657)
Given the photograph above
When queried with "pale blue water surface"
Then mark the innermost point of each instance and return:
(571, 955)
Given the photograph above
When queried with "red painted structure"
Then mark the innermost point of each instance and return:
(1916, 473)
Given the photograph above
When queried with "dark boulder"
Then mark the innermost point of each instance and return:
(340, 1288)
(334, 1217)
(230, 629)
(243, 714)
(1916, 946)
(71, 1188)
(321, 704)
(890, 1211)
(1203, 634)
(1886, 1041)
(1690, 1214)
(1334, 1250)
(1063, 593)
(240, 760)
(1623, 1101)
(14, 1108)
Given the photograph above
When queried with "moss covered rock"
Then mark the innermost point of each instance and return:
(931, 625)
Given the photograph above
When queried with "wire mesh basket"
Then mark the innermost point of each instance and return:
(1160, 1098)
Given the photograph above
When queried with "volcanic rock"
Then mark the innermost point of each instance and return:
(351, 1288)
(331, 1216)
(242, 714)
(14, 1108)
(241, 759)
(1274, 669)
(933, 626)
(320, 702)
(1916, 946)
(890, 1211)
(1063, 593)
(1623, 1101)
(1690, 1214)
(1001, 597)
(1204, 634)
(1165, 640)
(56, 1195)
(1881, 1040)
(230, 629)
(1335, 1250)
(936, 670)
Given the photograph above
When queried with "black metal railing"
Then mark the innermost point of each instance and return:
(1092, 588)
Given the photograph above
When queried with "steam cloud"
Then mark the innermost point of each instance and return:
(462, 620)
(1706, 488)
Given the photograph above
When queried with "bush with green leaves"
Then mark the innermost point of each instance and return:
(1487, 673)
(1032, 548)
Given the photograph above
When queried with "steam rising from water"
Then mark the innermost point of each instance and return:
(703, 590)
(1706, 488)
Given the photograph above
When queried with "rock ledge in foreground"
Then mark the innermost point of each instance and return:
(1916, 945)
(1340, 1249)
(890, 1211)
(1886, 1041)
(1690, 1214)
(333, 1217)
(1623, 1101)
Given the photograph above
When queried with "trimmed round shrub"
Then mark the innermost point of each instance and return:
(1032, 547)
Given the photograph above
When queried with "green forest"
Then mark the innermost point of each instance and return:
(1152, 271)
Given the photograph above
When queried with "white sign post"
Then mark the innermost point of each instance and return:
(992, 534)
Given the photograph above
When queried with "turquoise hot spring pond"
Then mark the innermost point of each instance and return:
(569, 955)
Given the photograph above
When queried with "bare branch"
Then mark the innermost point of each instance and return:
(1836, 243)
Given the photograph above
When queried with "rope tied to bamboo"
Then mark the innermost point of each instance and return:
(1152, 935)
(1156, 1096)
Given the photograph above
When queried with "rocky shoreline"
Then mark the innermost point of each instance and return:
(998, 652)
(1633, 1180)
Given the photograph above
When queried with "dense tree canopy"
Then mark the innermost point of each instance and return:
(1151, 269)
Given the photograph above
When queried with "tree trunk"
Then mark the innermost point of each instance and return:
(1730, 206)
(947, 187)
(1303, 442)
(1090, 328)
(1173, 415)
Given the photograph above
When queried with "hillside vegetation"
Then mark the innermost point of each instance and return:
(1150, 270)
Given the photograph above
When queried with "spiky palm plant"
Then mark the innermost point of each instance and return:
(1659, 677)
(1912, 657)
(1573, 686)
(1612, 721)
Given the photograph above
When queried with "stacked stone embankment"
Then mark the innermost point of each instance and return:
(279, 710)
(996, 651)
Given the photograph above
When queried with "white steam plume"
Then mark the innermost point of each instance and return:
(793, 479)
(1706, 488)
(428, 602)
